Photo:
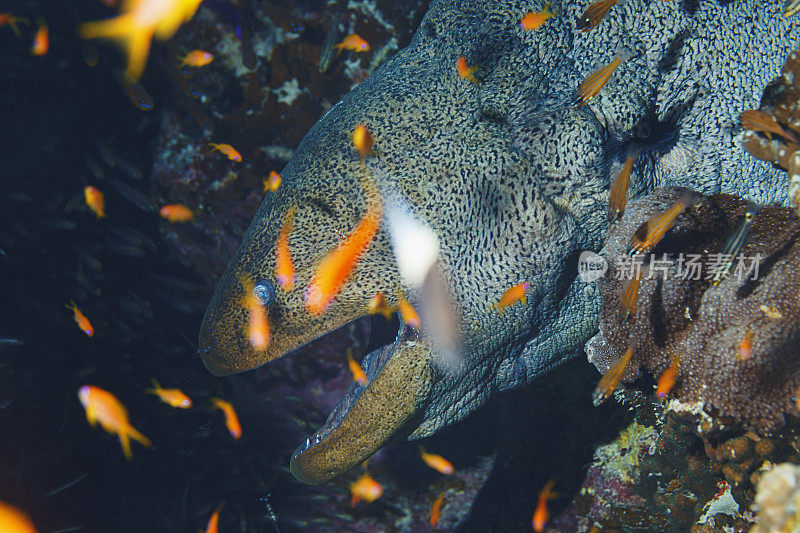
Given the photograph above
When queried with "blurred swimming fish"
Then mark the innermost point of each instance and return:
(541, 515)
(436, 511)
(734, 244)
(172, 397)
(667, 378)
(377, 305)
(355, 369)
(135, 92)
(618, 198)
(365, 488)
(352, 42)
(141, 200)
(337, 266)
(176, 213)
(590, 87)
(437, 462)
(95, 200)
(533, 19)
(407, 312)
(213, 522)
(629, 296)
(464, 70)
(650, 232)
(227, 150)
(761, 122)
(608, 383)
(231, 418)
(514, 294)
(80, 319)
(13, 520)
(745, 348)
(595, 13)
(197, 59)
(326, 54)
(362, 140)
(135, 27)
(41, 41)
(284, 266)
(272, 182)
(7, 19)
(102, 406)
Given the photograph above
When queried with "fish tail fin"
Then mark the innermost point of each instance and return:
(72, 306)
(115, 28)
(125, 443)
(156, 385)
(15, 27)
(137, 436)
(138, 48)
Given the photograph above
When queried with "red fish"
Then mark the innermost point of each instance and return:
(745, 348)
(284, 267)
(95, 200)
(408, 314)
(594, 14)
(514, 294)
(41, 41)
(619, 190)
(362, 140)
(13, 520)
(352, 42)
(533, 19)
(667, 379)
(377, 304)
(540, 515)
(227, 150)
(652, 231)
(608, 383)
(272, 182)
(436, 511)
(213, 522)
(80, 319)
(437, 462)
(197, 59)
(629, 296)
(464, 70)
(590, 87)
(7, 19)
(231, 418)
(358, 373)
(103, 407)
(365, 488)
(176, 213)
(258, 332)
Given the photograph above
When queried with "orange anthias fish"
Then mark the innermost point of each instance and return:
(532, 20)
(337, 266)
(12, 520)
(172, 397)
(284, 267)
(437, 462)
(258, 332)
(95, 200)
(365, 488)
(197, 59)
(272, 182)
(102, 406)
(629, 296)
(540, 515)
(352, 42)
(464, 70)
(436, 510)
(594, 14)
(7, 19)
(134, 28)
(745, 348)
(408, 314)
(377, 304)
(363, 141)
(514, 294)
(608, 383)
(761, 122)
(81, 319)
(176, 213)
(41, 41)
(227, 150)
(213, 522)
(231, 419)
(652, 231)
(619, 190)
(667, 379)
(358, 373)
(590, 87)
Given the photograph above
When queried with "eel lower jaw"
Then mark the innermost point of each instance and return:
(399, 379)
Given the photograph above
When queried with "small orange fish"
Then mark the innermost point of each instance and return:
(272, 182)
(619, 191)
(258, 332)
(7, 19)
(745, 348)
(81, 319)
(172, 397)
(514, 294)
(102, 406)
(650, 233)
(358, 373)
(365, 488)
(540, 515)
(197, 59)
(761, 122)
(352, 42)
(284, 267)
(377, 304)
(41, 41)
(363, 141)
(227, 150)
(532, 20)
(437, 462)
(407, 312)
(13, 520)
(231, 419)
(213, 522)
(590, 87)
(608, 383)
(464, 70)
(95, 200)
(176, 213)
(337, 266)
(667, 379)
(595, 13)
(629, 296)
(436, 511)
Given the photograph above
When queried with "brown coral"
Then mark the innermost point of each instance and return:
(704, 324)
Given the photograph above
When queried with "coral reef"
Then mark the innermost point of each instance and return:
(778, 500)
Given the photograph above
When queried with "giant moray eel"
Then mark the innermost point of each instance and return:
(513, 178)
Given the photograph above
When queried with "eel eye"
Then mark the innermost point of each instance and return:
(264, 292)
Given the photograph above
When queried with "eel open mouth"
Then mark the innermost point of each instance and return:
(399, 378)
